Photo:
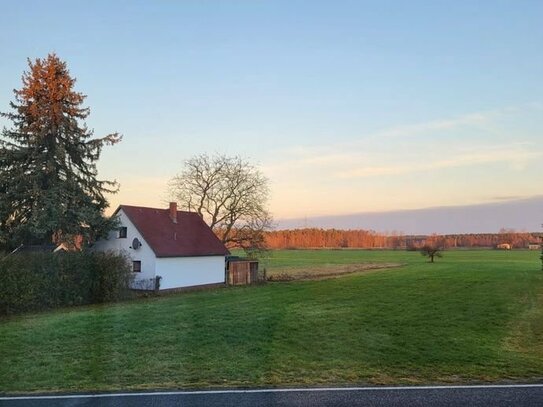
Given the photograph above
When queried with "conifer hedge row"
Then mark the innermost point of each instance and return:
(36, 281)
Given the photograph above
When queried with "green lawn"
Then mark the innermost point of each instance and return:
(473, 316)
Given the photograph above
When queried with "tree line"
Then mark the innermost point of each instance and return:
(368, 239)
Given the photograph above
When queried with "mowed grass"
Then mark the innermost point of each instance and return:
(307, 264)
(473, 316)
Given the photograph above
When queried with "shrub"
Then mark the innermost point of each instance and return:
(35, 281)
(280, 277)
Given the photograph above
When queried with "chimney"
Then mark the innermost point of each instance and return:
(173, 211)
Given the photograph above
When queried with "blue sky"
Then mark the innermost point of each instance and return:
(346, 106)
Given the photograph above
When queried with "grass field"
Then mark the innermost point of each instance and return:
(474, 316)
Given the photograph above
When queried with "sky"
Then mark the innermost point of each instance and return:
(346, 106)
(521, 215)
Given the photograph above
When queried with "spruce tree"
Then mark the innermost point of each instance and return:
(49, 191)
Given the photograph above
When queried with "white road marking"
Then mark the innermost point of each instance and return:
(287, 390)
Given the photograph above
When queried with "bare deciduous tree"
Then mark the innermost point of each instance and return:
(231, 196)
(433, 247)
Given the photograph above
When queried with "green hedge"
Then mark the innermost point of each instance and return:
(36, 281)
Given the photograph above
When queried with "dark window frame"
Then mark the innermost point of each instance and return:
(136, 266)
(123, 232)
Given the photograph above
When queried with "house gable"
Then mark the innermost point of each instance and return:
(143, 254)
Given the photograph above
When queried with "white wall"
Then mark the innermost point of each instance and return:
(189, 271)
(144, 254)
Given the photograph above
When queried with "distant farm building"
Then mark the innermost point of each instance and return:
(534, 246)
(504, 246)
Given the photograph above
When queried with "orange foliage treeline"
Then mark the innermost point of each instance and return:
(367, 239)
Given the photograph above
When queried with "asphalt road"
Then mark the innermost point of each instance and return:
(495, 396)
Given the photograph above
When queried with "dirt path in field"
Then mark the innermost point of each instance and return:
(326, 271)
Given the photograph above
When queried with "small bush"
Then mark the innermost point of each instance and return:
(35, 281)
(280, 277)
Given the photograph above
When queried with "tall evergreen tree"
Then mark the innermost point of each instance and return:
(49, 191)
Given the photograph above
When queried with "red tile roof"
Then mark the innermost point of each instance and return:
(190, 236)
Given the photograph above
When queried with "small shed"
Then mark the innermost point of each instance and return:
(534, 246)
(242, 271)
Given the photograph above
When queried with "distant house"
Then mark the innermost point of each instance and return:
(534, 246)
(176, 246)
(503, 246)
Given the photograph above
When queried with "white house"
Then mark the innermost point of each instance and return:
(176, 245)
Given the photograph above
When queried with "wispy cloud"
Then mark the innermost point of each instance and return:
(515, 155)
(472, 119)
(402, 149)
(493, 147)
(506, 197)
(313, 153)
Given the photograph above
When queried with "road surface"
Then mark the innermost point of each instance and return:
(495, 396)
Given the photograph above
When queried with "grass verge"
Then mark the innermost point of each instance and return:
(470, 317)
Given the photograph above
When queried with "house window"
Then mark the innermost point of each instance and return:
(136, 266)
(122, 232)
